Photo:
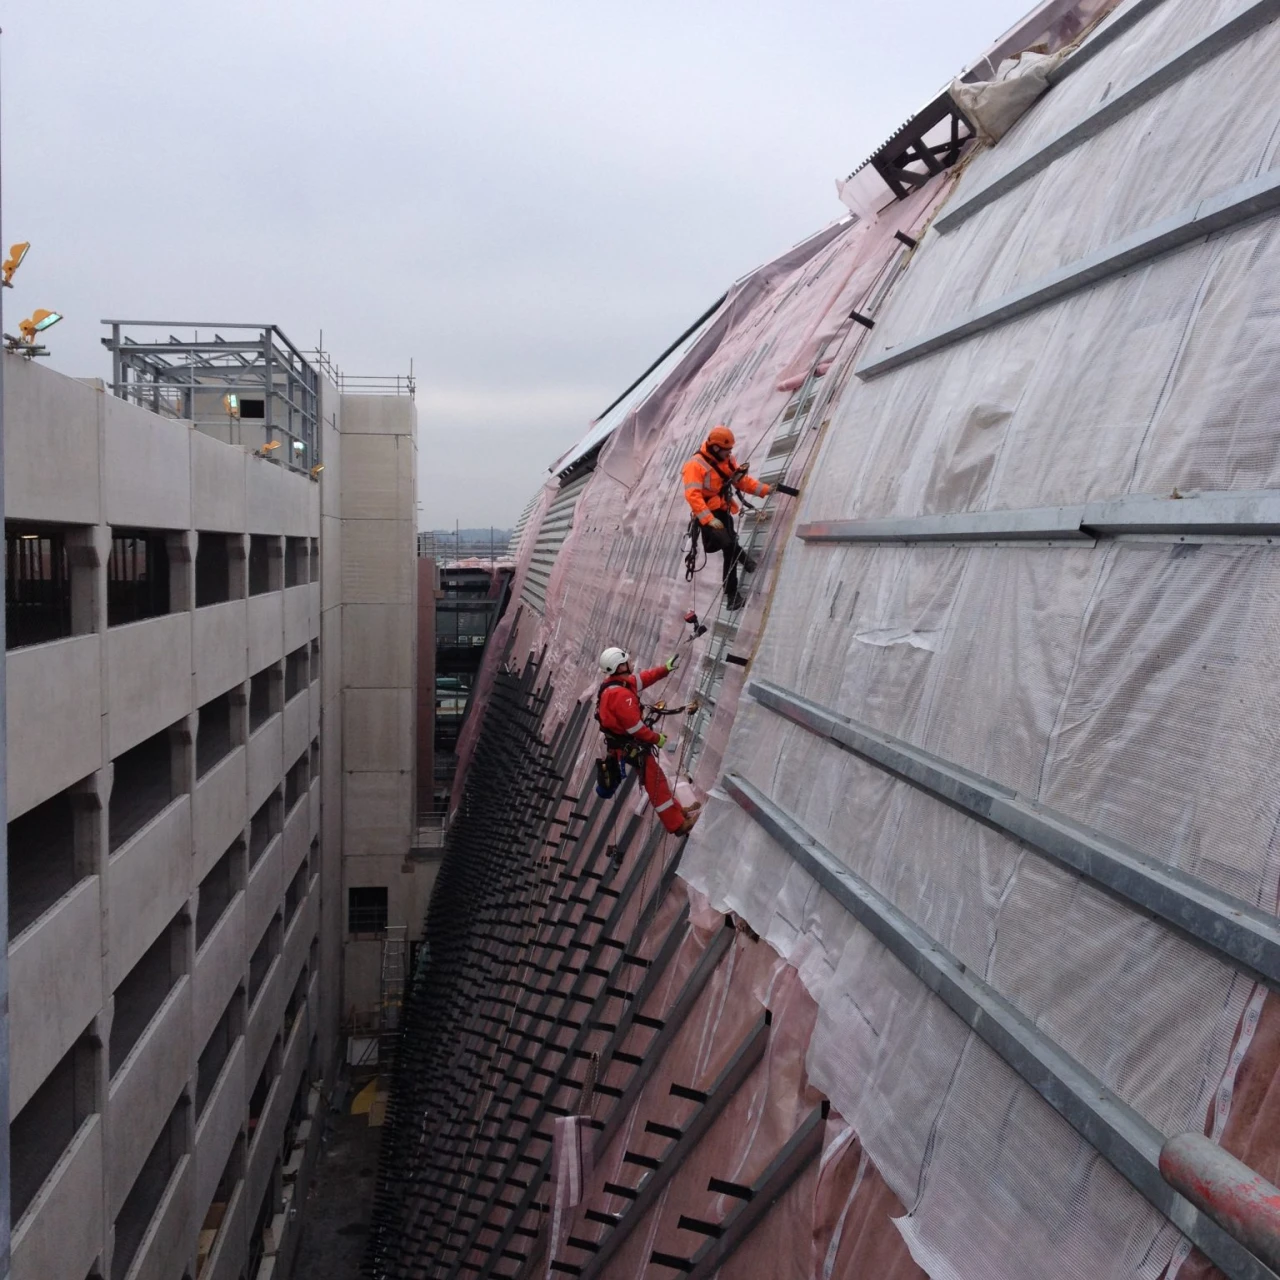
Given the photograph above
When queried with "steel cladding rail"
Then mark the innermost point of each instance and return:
(1251, 515)
(1118, 1133)
(653, 975)
(672, 1022)
(530, 1123)
(719, 1093)
(1210, 214)
(801, 1149)
(1218, 39)
(1238, 932)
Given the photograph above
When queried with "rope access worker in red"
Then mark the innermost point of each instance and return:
(710, 478)
(629, 738)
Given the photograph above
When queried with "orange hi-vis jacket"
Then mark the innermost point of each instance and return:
(618, 705)
(707, 486)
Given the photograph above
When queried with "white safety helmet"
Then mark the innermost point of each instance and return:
(612, 659)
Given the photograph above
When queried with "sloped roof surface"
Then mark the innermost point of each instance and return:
(1051, 648)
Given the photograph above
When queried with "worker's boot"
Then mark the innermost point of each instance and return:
(748, 563)
(735, 602)
(691, 816)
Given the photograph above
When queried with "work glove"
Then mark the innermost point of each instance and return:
(765, 490)
(662, 741)
(671, 662)
(715, 524)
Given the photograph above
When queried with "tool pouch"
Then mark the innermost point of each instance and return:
(609, 772)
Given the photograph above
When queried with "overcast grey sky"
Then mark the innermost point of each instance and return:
(529, 199)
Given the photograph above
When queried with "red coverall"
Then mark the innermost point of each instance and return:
(629, 738)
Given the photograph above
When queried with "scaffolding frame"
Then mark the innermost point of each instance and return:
(187, 379)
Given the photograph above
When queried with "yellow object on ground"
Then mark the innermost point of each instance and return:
(363, 1100)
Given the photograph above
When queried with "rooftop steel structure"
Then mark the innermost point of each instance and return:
(244, 383)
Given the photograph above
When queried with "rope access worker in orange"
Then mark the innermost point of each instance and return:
(629, 738)
(710, 478)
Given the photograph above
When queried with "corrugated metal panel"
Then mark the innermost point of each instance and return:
(552, 532)
(517, 534)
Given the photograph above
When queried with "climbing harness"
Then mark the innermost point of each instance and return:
(622, 749)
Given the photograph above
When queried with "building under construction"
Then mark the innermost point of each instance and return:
(967, 969)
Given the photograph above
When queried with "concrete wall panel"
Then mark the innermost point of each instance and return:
(313, 810)
(217, 484)
(376, 811)
(148, 881)
(226, 1260)
(265, 889)
(148, 678)
(378, 561)
(333, 659)
(54, 718)
(278, 499)
(219, 1126)
(264, 1023)
(297, 616)
(166, 1247)
(297, 942)
(377, 646)
(362, 976)
(50, 446)
(330, 447)
(297, 838)
(377, 415)
(377, 729)
(266, 762)
(377, 478)
(144, 1090)
(219, 811)
(55, 987)
(61, 1233)
(297, 727)
(330, 562)
(220, 643)
(266, 630)
(266, 1142)
(146, 468)
(220, 967)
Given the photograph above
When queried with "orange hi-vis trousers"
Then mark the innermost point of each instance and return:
(665, 805)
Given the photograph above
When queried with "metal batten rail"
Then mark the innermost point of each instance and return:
(1209, 215)
(1244, 515)
(1235, 930)
(503, 1108)
(653, 974)
(488, 911)
(718, 1095)
(800, 1151)
(536, 1030)
(1218, 39)
(1117, 1132)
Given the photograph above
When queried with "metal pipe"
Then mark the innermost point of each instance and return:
(1241, 1201)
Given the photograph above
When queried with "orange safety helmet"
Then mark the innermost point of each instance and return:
(721, 437)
